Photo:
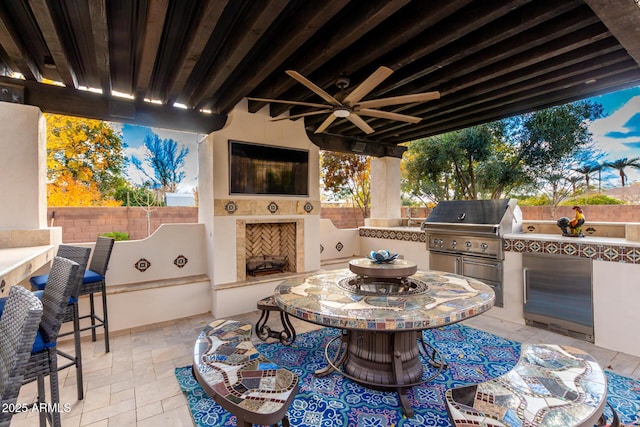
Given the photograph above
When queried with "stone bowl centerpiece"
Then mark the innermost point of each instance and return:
(382, 273)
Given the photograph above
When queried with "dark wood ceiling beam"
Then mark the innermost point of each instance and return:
(547, 95)
(15, 51)
(443, 33)
(44, 19)
(100, 34)
(516, 109)
(593, 56)
(211, 15)
(322, 49)
(622, 17)
(415, 20)
(496, 41)
(467, 105)
(239, 46)
(68, 101)
(510, 93)
(564, 44)
(156, 16)
(520, 81)
(310, 20)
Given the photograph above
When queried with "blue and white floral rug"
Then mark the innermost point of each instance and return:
(472, 355)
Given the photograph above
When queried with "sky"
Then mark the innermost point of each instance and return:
(133, 136)
(617, 135)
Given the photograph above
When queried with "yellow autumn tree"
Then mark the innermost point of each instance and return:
(85, 162)
(346, 175)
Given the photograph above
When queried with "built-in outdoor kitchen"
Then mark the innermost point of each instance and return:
(583, 287)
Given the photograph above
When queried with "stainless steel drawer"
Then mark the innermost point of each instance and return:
(482, 269)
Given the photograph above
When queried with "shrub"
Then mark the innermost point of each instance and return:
(540, 200)
(596, 199)
(117, 235)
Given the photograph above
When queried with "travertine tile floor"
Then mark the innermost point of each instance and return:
(134, 384)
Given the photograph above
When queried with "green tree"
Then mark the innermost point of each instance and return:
(166, 160)
(547, 139)
(347, 175)
(587, 170)
(623, 163)
(500, 158)
(85, 161)
(455, 165)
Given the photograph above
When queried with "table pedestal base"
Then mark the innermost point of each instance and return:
(382, 360)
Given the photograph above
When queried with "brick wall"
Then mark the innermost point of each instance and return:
(343, 217)
(604, 213)
(84, 224)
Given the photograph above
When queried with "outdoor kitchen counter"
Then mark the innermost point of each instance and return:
(615, 269)
(16, 264)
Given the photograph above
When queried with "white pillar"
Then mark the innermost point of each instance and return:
(385, 192)
(23, 167)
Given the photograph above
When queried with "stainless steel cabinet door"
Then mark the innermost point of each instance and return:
(558, 287)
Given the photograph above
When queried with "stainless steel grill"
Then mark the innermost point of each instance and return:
(466, 237)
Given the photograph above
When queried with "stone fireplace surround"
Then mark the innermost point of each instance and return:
(277, 236)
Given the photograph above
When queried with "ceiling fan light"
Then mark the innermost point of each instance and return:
(341, 112)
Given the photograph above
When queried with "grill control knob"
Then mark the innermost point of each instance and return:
(467, 244)
(484, 246)
(454, 243)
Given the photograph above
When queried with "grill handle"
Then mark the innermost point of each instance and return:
(525, 287)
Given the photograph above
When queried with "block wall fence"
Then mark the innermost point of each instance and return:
(84, 224)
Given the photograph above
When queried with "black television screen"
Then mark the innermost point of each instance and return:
(265, 169)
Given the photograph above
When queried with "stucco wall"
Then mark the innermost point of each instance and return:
(22, 167)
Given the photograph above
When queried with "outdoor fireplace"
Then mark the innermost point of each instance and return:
(268, 246)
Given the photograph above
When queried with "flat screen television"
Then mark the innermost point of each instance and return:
(266, 169)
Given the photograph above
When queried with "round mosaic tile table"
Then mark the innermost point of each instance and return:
(382, 340)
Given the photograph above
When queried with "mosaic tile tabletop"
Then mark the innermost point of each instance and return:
(550, 386)
(449, 298)
(226, 360)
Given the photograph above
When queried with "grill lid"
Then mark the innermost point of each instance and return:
(469, 211)
(495, 216)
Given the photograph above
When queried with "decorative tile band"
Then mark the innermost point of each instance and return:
(409, 236)
(249, 207)
(596, 251)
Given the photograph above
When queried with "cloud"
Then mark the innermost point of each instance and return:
(618, 133)
(631, 128)
(633, 145)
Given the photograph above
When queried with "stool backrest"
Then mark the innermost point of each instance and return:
(101, 255)
(18, 326)
(56, 296)
(80, 256)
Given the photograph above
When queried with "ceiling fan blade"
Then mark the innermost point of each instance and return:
(402, 99)
(368, 85)
(306, 104)
(388, 115)
(313, 87)
(325, 124)
(297, 116)
(357, 120)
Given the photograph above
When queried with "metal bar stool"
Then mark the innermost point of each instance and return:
(94, 281)
(79, 255)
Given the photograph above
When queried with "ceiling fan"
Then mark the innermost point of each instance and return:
(350, 107)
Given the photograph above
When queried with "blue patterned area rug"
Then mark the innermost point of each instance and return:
(472, 355)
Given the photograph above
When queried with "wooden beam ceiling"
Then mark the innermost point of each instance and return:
(488, 60)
